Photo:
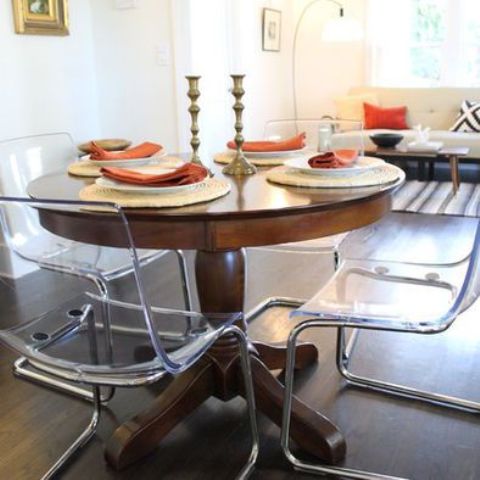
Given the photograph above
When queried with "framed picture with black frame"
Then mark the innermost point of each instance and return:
(272, 29)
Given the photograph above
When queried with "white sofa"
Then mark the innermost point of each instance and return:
(436, 108)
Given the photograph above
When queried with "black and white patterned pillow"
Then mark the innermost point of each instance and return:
(469, 118)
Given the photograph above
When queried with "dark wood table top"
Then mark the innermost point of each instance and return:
(255, 212)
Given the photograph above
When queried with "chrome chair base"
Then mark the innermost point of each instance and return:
(271, 302)
(95, 396)
(81, 440)
(23, 369)
(344, 356)
(287, 411)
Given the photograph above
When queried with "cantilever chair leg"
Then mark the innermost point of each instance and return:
(250, 397)
(88, 433)
(82, 440)
(286, 419)
(344, 355)
(182, 265)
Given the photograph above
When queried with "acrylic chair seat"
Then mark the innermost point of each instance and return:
(375, 292)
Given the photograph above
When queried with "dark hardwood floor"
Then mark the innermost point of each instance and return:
(384, 434)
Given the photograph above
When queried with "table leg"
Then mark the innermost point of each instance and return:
(221, 288)
(421, 169)
(453, 160)
(431, 170)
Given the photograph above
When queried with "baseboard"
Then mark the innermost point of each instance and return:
(12, 266)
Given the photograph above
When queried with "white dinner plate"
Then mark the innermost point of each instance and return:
(133, 162)
(278, 154)
(127, 187)
(363, 164)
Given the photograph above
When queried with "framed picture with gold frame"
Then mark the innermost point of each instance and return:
(41, 17)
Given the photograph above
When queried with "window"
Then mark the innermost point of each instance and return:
(425, 42)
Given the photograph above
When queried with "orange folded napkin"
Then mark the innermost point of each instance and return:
(294, 143)
(334, 159)
(184, 175)
(143, 150)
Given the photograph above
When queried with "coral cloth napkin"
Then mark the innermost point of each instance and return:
(294, 143)
(143, 150)
(185, 175)
(335, 159)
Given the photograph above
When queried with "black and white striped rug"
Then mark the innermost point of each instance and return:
(438, 198)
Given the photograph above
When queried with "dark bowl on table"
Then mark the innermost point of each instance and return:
(386, 140)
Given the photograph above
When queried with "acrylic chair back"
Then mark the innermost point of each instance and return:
(136, 336)
(470, 289)
(22, 160)
(321, 134)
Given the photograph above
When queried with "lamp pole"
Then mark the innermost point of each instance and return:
(294, 53)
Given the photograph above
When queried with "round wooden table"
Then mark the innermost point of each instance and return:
(254, 213)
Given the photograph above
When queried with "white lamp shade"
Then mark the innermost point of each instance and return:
(342, 29)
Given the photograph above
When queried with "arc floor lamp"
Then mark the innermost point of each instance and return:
(338, 29)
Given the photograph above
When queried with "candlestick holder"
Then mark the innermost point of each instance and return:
(194, 110)
(239, 165)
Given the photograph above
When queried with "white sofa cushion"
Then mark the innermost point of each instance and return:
(350, 107)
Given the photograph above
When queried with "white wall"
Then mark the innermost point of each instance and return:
(136, 95)
(226, 38)
(327, 70)
(48, 83)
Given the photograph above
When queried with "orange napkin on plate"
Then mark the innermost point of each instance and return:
(184, 175)
(294, 143)
(334, 159)
(143, 150)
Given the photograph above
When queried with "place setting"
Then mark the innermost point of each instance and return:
(109, 153)
(155, 187)
(342, 168)
(266, 153)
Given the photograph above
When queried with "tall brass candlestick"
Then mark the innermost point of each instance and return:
(239, 165)
(194, 110)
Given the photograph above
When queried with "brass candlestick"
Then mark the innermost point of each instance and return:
(194, 110)
(239, 165)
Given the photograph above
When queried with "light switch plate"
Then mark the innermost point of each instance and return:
(125, 4)
(162, 54)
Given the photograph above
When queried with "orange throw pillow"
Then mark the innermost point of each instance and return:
(394, 118)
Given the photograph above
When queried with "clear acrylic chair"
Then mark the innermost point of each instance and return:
(22, 160)
(321, 134)
(136, 345)
(396, 296)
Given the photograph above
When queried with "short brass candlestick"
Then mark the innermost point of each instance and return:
(239, 165)
(194, 110)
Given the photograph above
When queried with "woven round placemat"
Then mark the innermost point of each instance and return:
(227, 157)
(85, 168)
(204, 192)
(381, 175)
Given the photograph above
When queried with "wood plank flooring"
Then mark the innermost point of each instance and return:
(384, 434)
